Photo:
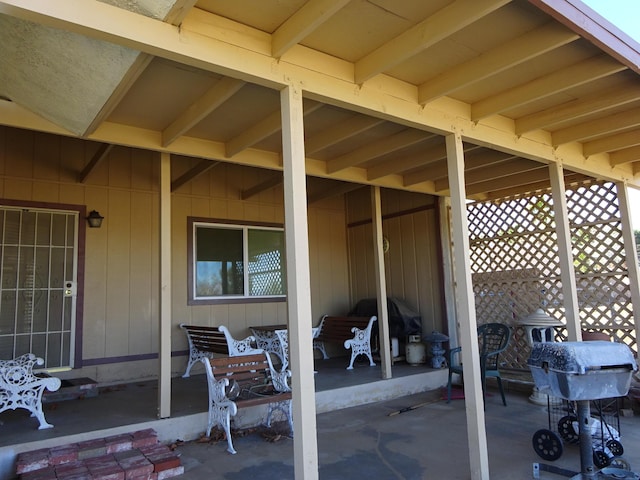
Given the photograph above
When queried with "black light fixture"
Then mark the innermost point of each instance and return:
(94, 219)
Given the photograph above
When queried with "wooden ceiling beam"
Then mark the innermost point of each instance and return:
(384, 145)
(221, 91)
(627, 155)
(596, 128)
(437, 168)
(98, 157)
(530, 188)
(611, 143)
(202, 167)
(545, 86)
(530, 45)
(438, 26)
(268, 184)
(340, 132)
(395, 166)
(340, 189)
(518, 179)
(261, 130)
(575, 109)
(497, 170)
(302, 23)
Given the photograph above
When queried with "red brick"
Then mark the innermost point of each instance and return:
(143, 438)
(164, 461)
(33, 460)
(47, 473)
(118, 443)
(136, 466)
(108, 473)
(91, 448)
(70, 469)
(174, 472)
(153, 449)
(101, 461)
(63, 454)
(126, 454)
(148, 476)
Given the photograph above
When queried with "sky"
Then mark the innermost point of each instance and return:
(625, 14)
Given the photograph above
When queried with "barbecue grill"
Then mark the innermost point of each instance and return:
(582, 372)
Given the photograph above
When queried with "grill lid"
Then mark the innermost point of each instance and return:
(580, 357)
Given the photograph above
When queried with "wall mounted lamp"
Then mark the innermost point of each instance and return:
(94, 219)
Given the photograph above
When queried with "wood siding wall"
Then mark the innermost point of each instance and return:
(413, 263)
(122, 258)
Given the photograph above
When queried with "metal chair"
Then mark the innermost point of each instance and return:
(493, 339)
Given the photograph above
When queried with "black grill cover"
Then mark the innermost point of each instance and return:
(403, 320)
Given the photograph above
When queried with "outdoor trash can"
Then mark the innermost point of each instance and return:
(582, 370)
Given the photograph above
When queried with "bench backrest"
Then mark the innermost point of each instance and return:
(253, 375)
(207, 339)
(338, 329)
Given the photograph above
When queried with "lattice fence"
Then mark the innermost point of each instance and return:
(514, 260)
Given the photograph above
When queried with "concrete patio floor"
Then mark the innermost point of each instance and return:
(428, 442)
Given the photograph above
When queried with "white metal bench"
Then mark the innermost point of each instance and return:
(204, 342)
(20, 388)
(245, 381)
(353, 332)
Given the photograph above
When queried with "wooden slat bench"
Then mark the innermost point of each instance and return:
(204, 342)
(353, 332)
(21, 388)
(245, 381)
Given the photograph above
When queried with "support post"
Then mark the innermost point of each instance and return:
(305, 443)
(474, 401)
(567, 270)
(449, 282)
(164, 377)
(381, 283)
(631, 255)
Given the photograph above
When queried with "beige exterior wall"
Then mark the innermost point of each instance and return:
(412, 264)
(122, 258)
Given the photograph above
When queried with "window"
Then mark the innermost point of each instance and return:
(236, 263)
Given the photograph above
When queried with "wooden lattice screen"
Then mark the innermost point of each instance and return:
(515, 266)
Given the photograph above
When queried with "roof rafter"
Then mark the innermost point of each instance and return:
(261, 130)
(438, 26)
(269, 183)
(518, 179)
(438, 167)
(627, 155)
(202, 167)
(340, 189)
(612, 142)
(342, 131)
(98, 157)
(223, 89)
(578, 108)
(429, 156)
(545, 86)
(569, 178)
(530, 45)
(598, 127)
(479, 175)
(312, 14)
(378, 148)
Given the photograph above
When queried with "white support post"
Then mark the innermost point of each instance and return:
(164, 354)
(474, 402)
(305, 443)
(565, 254)
(381, 284)
(630, 249)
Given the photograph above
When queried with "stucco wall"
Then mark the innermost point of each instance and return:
(121, 281)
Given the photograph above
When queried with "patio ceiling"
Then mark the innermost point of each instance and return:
(524, 83)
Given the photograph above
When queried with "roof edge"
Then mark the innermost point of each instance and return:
(585, 21)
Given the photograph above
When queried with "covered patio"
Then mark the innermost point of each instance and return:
(357, 129)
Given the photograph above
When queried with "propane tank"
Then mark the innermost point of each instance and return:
(416, 351)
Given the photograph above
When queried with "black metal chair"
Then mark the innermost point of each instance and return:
(493, 339)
